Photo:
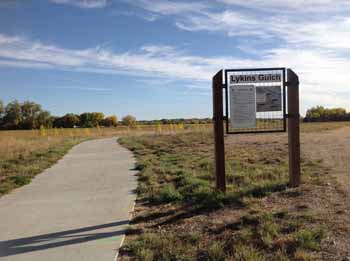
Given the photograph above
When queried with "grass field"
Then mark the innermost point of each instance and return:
(179, 216)
(25, 153)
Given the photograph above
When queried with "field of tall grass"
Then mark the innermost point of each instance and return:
(25, 153)
(175, 190)
(180, 216)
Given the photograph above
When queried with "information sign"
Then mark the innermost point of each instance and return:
(243, 106)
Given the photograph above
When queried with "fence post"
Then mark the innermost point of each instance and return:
(218, 119)
(293, 128)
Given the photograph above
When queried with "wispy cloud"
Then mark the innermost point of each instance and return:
(151, 17)
(79, 88)
(323, 73)
(155, 60)
(167, 7)
(314, 6)
(8, 3)
(313, 37)
(87, 4)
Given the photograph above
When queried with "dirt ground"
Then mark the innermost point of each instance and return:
(327, 200)
(330, 202)
(333, 202)
(333, 148)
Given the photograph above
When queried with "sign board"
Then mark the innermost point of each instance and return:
(254, 78)
(261, 111)
(243, 106)
(268, 98)
(247, 92)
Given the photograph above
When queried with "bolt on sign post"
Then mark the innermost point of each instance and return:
(255, 102)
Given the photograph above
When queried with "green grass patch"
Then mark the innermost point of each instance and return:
(20, 170)
(178, 170)
(261, 236)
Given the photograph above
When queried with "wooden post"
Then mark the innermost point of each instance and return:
(218, 118)
(293, 128)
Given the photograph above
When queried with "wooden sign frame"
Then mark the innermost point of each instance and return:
(293, 116)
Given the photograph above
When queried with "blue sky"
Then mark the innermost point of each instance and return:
(155, 58)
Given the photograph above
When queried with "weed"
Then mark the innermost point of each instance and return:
(309, 239)
(247, 253)
(177, 170)
(168, 194)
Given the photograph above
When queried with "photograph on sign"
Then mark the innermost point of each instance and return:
(242, 106)
(268, 98)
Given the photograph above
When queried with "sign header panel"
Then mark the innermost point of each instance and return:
(243, 106)
(254, 78)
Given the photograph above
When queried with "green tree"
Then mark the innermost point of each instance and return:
(129, 120)
(70, 120)
(1, 107)
(44, 119)
(110, 121)
(30, 112)
(319, 113)
(91, 119)
(85, 120)
(97, 118)
(13, 115)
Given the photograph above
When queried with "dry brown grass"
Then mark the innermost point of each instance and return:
(23, 142)
(15, 143)
(26, 153)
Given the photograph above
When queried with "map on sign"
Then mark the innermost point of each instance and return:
(268, 98)
(243, 106)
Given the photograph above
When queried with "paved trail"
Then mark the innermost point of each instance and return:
(77, 210)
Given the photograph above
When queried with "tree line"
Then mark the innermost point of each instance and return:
(30, 115)
(320, 114)
(176, 121)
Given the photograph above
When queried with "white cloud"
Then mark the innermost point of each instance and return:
(151, 17)
(159, 60)
(80, 88)
(291, 5)
(312, 36)
(5, 39)
(8, 3)
(88, 4)
(166, 7)
(323, 74)
(233, 23)
(330, 32)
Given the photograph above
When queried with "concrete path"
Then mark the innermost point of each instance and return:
(77, 210)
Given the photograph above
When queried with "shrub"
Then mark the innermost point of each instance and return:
(169, 194)
(129, 120)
